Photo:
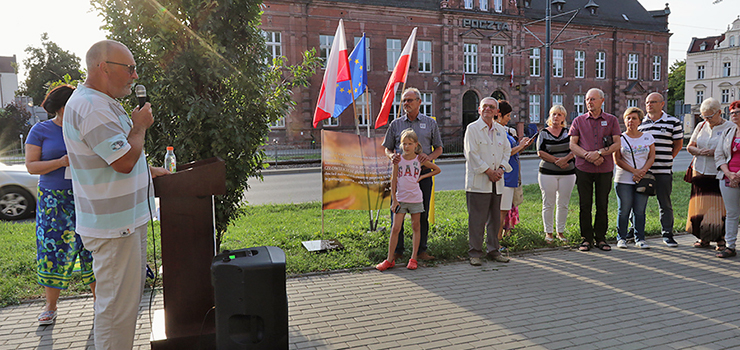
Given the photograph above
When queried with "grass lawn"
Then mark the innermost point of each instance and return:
(286, 225)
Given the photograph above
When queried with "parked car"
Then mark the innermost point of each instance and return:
(17, 192)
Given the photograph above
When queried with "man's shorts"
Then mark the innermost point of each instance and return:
(410, 208)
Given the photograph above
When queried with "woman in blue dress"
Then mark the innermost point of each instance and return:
(57, 244)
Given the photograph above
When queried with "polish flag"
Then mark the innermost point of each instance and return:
(337, 70)
(397, 78)
(462, 82)
(511, 82)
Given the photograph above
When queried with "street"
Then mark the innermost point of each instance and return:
(304, 185)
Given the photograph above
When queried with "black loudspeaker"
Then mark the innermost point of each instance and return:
(251, 299)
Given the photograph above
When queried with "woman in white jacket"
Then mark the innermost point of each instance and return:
(727, 159)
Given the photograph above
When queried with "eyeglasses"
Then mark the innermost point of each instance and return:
(488, 106)
(131, 67)
(409, 100)
(735, 112)
(652, 102)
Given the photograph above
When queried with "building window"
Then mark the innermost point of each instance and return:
(579, 104)
(363, 109)
(470, 51)
(498, 6)
(497, 53)
(732, 41)
(324, 48)
(557, 63)
(483, 5)
(534, 63)
(425, 56)
(367, 51)
(580, 64)
(632, 66)
(393, 50)
(557, 100)
(468, 4)
(632, 102)
(725, 96)
(278, 124)
(700, 72)
(726, 69)
(272, 41)
(426, 104)
(534, 108)
(600, 64)
(334, 121)
(699, 96)
(396, 110)
(656, 67)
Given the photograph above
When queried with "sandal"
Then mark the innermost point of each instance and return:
(584, 247)
(562, 238)
(549, 239)
(47, 317)
(701, 244)
(603, 246)
(721, 245)
(727, 253)
(385, 265)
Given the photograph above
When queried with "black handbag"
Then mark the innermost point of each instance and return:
(647, 183)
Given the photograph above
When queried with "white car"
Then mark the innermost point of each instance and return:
(17, 192)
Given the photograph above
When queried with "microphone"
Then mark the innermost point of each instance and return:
(141, 95)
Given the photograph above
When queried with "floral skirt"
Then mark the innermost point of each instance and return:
(57, 244)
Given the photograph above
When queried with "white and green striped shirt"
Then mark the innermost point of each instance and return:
(108, 204)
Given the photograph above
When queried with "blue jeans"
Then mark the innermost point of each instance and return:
(630, 202)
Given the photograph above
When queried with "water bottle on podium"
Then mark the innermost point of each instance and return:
(170, 161)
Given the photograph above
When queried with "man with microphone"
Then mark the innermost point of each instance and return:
(112, 187)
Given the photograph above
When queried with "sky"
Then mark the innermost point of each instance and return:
(74, 26)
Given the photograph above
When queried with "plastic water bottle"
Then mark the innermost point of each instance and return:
(170, 161)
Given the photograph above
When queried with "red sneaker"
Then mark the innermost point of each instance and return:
(385, 265)
(412, 264)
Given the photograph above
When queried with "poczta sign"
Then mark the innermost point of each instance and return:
(482, 24)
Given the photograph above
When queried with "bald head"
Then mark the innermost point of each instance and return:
(102, 51)
(655, 96)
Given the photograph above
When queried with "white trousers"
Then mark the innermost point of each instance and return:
(556, 189)
(119, 265)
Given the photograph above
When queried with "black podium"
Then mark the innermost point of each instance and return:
(188, 246)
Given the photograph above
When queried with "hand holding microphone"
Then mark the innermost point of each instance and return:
(142, 116)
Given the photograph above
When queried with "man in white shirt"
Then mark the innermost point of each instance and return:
(487, 152)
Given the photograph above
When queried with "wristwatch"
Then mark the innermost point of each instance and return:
(599, 151)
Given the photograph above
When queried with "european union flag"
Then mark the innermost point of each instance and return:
(358, 72)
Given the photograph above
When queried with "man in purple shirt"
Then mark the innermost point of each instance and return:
(594, 136)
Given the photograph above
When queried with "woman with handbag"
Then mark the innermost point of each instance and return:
(631, 180)
(706, 217)
(727, 159)
(511, 179)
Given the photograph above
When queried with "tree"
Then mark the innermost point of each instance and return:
(13, 123)
(676, 84)
(205, 66)
(47, 64)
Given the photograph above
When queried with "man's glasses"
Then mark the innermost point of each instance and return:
(489, 107)
(131, 67)
(409, 100)
(652, 102)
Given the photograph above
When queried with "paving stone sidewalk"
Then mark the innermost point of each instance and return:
(661, 298)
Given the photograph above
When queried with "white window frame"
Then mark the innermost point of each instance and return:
(534, 62)
(470, 58)
(600, 65)
(579, 104)
(273, 43)
(557, 99)
(278, 124)
(364, 116)
(656, 67)
(367, 51)
(700, 69)
(579, 64)
(498, 6)
(468, 4)
(726, 69)
(632, 102)
(325, 42)
(557, 62)
(424, 56)
(534, 108)
(426, 106)
(725, 96)
(393, 52)
(396, 106)
(483, 5)
(331, 122)
(633, 66)
(699, 96)
(498, 53)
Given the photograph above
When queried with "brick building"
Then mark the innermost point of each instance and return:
(617, 46)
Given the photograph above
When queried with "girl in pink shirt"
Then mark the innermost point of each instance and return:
(406, 196)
